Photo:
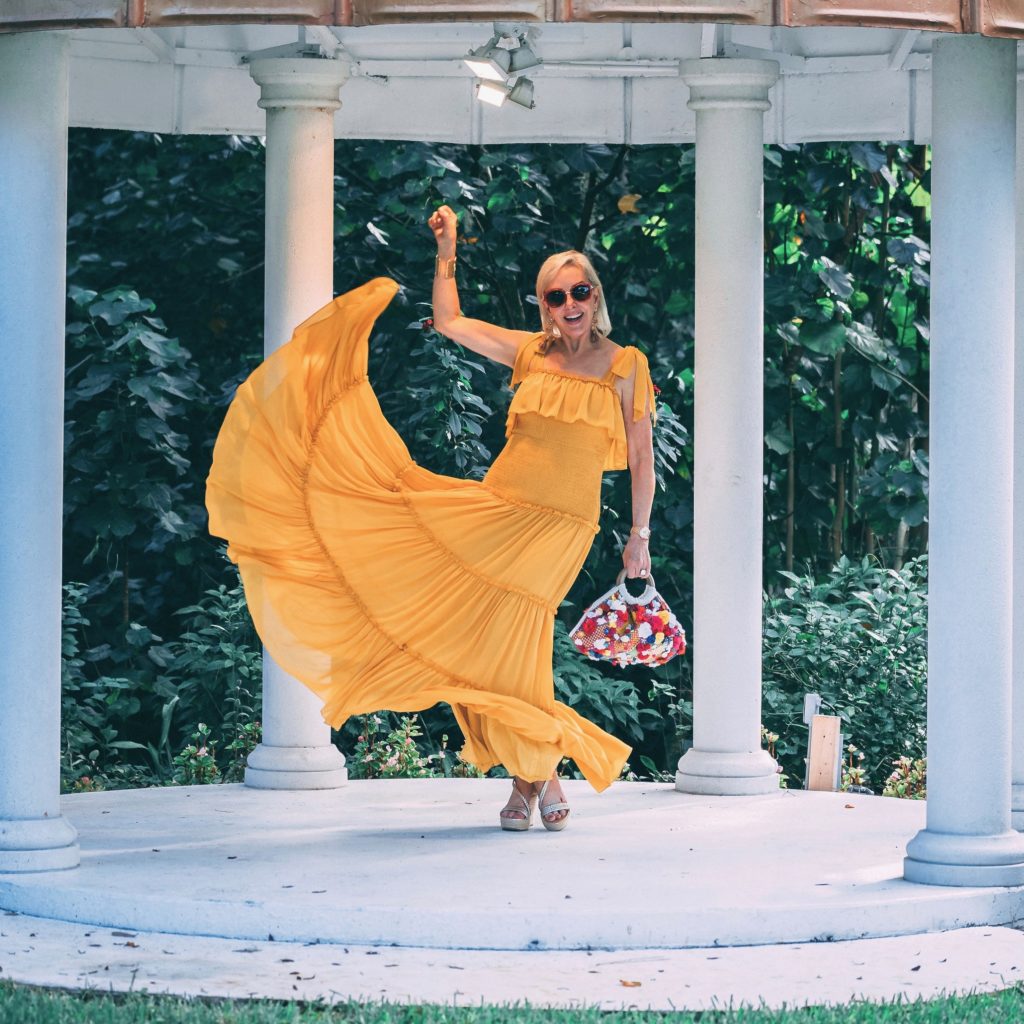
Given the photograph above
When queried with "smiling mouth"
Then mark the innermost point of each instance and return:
(573, 318)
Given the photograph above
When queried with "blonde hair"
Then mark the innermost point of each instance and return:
(551, 266)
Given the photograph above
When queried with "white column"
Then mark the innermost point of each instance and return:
(968, 839)
(33, 230)
(1017, 803)
(729, 97)
(300, 96)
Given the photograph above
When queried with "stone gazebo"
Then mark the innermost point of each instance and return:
(728, 75)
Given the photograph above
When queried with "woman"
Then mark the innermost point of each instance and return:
(382, 585)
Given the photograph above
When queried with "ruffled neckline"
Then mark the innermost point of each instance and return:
(578, 398)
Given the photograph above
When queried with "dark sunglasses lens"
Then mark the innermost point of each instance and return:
(556, 297)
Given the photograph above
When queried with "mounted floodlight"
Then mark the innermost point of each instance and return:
(497, 63)
(522, 93)
(490, 61)
(496, 93)
(522, 57)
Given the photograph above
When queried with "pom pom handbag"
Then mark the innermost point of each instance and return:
(628, 630)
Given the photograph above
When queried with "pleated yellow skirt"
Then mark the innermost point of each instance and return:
(381, 585)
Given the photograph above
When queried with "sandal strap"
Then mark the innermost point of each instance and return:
(548, 808)
(527, 804)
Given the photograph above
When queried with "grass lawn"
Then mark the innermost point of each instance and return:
(24, 1005)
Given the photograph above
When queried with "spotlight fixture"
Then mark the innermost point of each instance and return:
(496, 93)
(499, 63)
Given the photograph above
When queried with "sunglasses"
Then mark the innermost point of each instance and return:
(557, 296)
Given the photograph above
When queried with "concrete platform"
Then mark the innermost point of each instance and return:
(910, 967)
(422, 862)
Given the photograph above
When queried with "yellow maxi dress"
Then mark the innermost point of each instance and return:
(382, 585)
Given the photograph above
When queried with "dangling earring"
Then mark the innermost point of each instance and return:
(555, 332)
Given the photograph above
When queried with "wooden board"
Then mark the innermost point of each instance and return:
(823, 752)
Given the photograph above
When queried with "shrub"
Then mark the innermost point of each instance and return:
(908, 779)
(213, 672)
(387, 749)
(197, 763)
(858, 639)
(610, 701)
(453, 766)
(161, 694)
(96, 710)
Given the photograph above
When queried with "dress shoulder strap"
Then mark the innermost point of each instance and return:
(624, 364)
(524, 361)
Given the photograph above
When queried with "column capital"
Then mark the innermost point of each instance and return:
(299, 81)
(724, 82)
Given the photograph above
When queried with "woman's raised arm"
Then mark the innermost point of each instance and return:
(490, 340)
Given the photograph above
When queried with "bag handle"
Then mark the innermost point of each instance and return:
(648, 595)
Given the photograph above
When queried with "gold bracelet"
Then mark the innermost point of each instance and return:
(449, 267)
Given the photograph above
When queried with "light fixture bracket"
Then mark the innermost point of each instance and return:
(505, 55)
(499, 63)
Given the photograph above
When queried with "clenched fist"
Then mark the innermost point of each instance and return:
(444, 223)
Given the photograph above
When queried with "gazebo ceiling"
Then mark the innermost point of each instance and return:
(988, 17)
(609, 72)
(600, 82)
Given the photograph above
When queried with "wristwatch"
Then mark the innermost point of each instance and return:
(644, 532)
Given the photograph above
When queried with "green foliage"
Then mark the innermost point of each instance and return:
(447, 417)
(846, 338)
(389, 751)
(97, 711)
(858, 638)
(909, 779)
(128, 495)
(245, 739)
(215, 668)
(852, 775)
(452, 766)
(197, 763)
(179, 220)
(123, 730)
(610, 701)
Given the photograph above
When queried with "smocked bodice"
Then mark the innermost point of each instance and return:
(564, 431)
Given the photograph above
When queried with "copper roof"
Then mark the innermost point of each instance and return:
(988, 17)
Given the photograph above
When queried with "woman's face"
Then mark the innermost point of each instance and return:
(575, 317)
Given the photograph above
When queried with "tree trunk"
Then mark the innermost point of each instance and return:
(840, 466)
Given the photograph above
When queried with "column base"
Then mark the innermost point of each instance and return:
(947, 858)
(38, 844)
(713, 773)
(321, 767)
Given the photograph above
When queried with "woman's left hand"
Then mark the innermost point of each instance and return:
(636, 557)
